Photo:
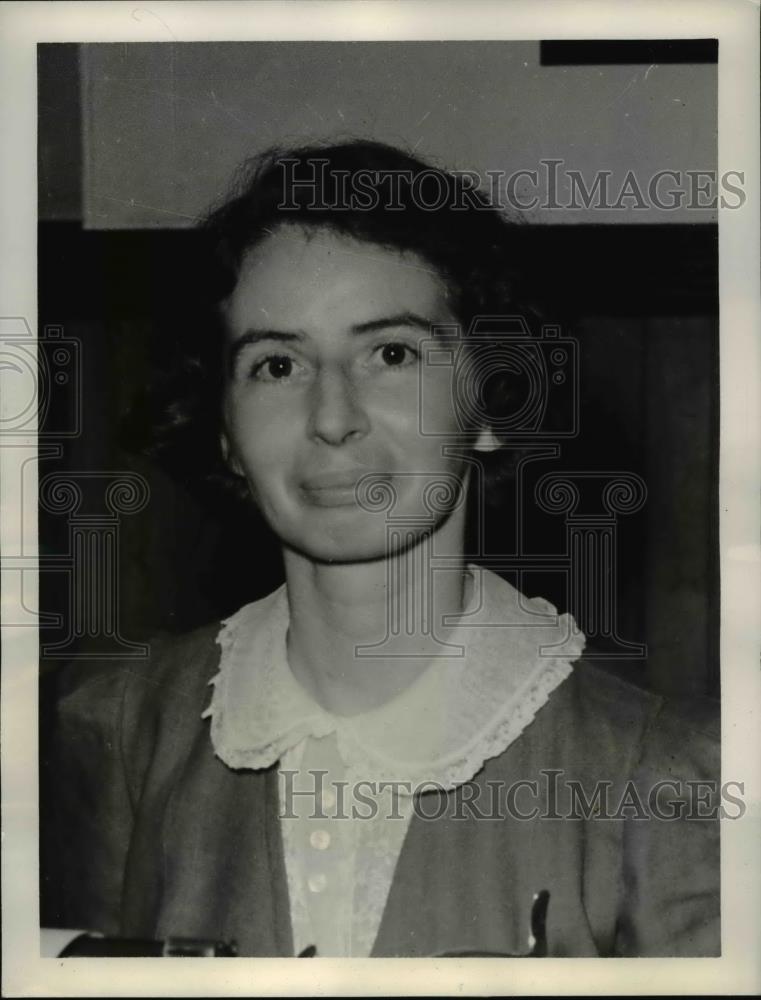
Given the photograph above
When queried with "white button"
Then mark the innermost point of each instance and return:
(319, 839)
(328, 798)
(317, 883)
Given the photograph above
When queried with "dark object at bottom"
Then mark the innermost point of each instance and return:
(92, 946)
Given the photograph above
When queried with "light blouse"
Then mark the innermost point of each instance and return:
(350, 785)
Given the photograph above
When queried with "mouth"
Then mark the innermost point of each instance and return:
(333, 489)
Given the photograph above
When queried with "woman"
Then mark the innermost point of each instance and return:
(403, 750)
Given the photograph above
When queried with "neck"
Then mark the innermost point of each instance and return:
(360, 633)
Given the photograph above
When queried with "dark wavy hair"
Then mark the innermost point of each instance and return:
(364, 190)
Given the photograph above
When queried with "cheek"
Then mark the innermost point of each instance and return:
(421, 399)
(437, 405)
(259, 435)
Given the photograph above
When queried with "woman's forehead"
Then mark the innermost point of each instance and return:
(303, 276)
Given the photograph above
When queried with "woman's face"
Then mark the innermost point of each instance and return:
(326, 383)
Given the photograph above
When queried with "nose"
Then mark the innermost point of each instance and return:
(337, 415)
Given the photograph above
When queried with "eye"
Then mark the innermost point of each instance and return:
(275, 368)
(396, 354)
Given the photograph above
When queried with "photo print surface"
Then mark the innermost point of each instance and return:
(378, 498)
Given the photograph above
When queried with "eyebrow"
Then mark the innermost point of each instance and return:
(288, 337)
(400, 319)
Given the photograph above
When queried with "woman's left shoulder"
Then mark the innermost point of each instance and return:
(596, 715)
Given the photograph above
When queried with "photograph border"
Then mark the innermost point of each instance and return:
(735, 24)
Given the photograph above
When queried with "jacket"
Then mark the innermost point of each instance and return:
(156, 837)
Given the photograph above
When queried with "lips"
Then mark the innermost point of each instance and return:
(332, 489)
(346, 479)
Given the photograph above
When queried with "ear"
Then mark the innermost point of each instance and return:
(227, 454)
(487, 440)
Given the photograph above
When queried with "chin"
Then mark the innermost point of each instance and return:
(345, 551)
(354, 543)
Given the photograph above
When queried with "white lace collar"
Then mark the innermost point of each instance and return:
(461, 711)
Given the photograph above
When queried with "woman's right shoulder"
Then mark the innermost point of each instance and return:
(168, 678)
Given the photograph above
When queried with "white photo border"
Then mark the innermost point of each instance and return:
(735, 24)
